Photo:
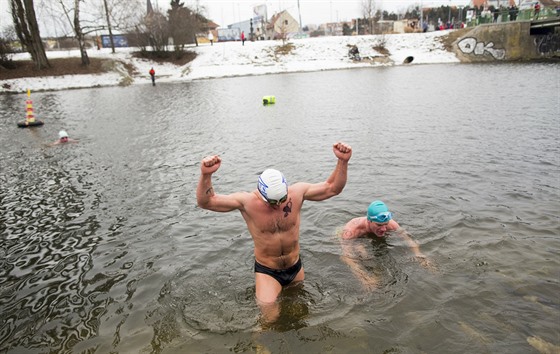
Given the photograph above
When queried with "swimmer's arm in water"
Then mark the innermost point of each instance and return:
(351, 254)
(421, 258)
(409, 241)
(59, 142)
(205, 195)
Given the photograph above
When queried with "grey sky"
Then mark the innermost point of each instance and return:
(225, 12)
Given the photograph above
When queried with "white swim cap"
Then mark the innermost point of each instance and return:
(62, 134)
(272, 185)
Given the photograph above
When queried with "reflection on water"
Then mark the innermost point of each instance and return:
(103, 249)
(48, 241)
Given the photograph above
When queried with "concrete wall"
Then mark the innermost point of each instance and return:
(510, 41)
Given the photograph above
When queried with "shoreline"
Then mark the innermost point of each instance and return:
(232, 59)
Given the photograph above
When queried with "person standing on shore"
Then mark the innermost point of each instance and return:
(272, 214)
(153, 76)
(211, 38)
(243, 37)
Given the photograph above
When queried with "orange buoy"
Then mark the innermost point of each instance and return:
(30, 120)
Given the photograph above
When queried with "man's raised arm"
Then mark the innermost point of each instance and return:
(337, 180)
(205, 196)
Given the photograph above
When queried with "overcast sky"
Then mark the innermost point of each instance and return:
(312, 11)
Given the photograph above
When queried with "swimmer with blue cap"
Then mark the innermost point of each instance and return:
(272, 214)
(379, 222)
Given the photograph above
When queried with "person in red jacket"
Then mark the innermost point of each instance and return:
(537, 10)
(153, 75)
(243, 37)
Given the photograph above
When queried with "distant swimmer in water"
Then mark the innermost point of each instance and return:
(272, 213)
(63, 138)
(378, 222)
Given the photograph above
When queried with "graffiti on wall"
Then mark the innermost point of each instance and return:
(470, 45)
(549, 43)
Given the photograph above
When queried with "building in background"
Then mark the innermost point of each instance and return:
(282, 26)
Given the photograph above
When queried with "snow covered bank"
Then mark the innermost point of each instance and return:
(254, 58)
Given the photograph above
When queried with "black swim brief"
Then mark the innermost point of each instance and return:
(283, 276)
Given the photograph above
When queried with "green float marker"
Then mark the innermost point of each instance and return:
(269, 100)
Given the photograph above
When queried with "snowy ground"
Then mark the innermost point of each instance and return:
(254, 58)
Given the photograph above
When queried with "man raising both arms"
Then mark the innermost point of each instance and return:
(272, 215)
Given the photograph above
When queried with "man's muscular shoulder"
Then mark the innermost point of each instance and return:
(353, 229)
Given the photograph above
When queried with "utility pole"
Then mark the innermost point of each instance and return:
(299, 11)
(421, 15)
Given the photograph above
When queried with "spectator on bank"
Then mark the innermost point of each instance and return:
(511, 12)
(243, 37)
(153, 76)
(211, 38)
(537, 9)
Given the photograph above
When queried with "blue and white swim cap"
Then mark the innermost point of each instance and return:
(272, 185)
(378, 212)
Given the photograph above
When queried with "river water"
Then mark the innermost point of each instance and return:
(103, 248)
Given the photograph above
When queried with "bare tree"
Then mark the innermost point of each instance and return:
(6, 37)
(76, 28)
(184, 24)
(120, 15)
(283, 32)
(153, 31)
(27, 30)
(94, 16)
(80, 34)
(368, 9)
(109, 28)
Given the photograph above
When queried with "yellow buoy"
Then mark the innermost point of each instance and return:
(269, 100)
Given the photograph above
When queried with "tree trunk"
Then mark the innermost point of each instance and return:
(25, 22)
(79, 34)
(109, 26)
(36, 43)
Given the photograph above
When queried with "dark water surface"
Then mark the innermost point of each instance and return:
(103, 249)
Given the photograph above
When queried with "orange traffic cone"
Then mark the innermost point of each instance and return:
(30, 120)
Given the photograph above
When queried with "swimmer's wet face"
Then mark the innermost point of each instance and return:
(63, 135)
(379, 229)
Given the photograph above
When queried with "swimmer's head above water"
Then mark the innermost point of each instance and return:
(378, 213)
(63, 136)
